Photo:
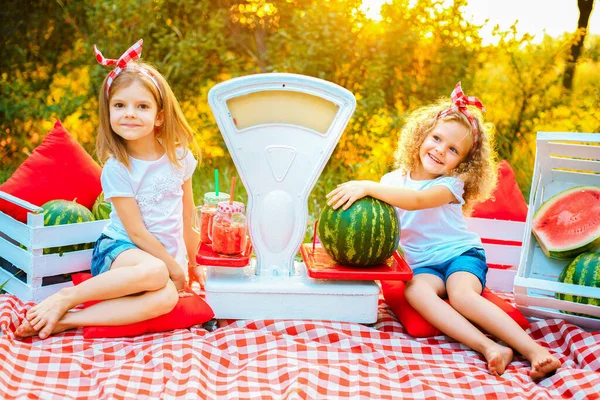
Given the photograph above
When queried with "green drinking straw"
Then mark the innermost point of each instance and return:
(217, 182)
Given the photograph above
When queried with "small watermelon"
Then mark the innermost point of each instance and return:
(101, 208)
(568, 223)
(364, 235)
(583, 270)
(61, 212)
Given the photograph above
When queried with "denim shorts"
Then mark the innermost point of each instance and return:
(472, 260)
(106, 249)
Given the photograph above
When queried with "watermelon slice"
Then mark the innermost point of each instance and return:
(568, 223)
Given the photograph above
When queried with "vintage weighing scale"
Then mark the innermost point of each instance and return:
(280, 130)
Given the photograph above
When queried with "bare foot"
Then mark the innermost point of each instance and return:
(543, 363)
(48, 312)
(25, 329)
(498, 358)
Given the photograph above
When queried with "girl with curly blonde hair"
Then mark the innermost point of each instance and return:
(445, 164)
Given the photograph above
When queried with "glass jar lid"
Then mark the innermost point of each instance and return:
(226, 207)
(212, 198)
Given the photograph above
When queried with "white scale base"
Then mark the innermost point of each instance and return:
(238, 293)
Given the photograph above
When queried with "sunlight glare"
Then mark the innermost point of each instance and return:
(537, 17)
(372, 8)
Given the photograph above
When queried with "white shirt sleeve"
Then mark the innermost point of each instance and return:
(189, 165)
(456, 186)
(115, 180)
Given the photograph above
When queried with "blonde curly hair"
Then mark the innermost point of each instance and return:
(478, 170)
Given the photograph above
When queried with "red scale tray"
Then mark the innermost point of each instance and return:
(206, 256)
(319, 265)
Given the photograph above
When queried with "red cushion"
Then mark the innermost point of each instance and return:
(59, 168)
(417, 326)
(189, 311)
(507, 201)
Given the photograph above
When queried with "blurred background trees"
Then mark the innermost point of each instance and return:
(414, 55)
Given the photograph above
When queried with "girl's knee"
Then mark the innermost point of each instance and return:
(154, 273)
(416, 289)
(170, 297)
(461, 298)
(163, 301)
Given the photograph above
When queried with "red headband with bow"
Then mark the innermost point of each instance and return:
(132, 54)
(461, 101)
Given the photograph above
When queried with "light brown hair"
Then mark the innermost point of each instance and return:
(478, 170)
(173, 133)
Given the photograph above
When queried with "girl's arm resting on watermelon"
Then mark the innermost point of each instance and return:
(130, 215)
(190, 236)
(407, 199)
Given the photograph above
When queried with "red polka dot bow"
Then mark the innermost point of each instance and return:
(133, 53)
(461, 101)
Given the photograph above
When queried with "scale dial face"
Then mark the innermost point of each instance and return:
(282, 107)
(280, 130)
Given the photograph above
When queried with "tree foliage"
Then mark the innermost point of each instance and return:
(413, 56)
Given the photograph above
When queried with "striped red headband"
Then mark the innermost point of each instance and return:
(461, 101)
(132, 54)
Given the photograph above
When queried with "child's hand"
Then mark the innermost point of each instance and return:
(178, 279)
(184, 292)
(347, 193)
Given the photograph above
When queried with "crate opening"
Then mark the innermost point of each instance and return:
(16, 273)
(62, 250)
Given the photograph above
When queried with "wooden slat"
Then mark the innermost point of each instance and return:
(15, 229)
(55, 264)
(496, 229)
(21, 203)
(567, 136)
(549, 302)
(558, 287)
(61, 235)
(576, 164)
(574, 150)
(502, 254)
(576, 178)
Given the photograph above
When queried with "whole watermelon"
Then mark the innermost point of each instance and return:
(61, 212)
(364, 235)
(101, 208)
(583, 270)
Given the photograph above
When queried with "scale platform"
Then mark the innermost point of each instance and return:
(320, 265)
(233, 287)
(241, 293)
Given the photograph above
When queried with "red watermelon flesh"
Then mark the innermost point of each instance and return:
(568, 223)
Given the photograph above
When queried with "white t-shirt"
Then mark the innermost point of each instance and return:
(157, 188)
(434, 235)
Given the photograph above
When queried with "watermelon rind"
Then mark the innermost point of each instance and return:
(61, 212)
(101, 209)
(584, 270)
(364, 235)
(590, 215)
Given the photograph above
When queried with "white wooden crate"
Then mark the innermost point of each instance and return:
(503, 255)
(563, 161)
(28, 285)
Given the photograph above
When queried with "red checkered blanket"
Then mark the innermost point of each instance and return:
(284, 359)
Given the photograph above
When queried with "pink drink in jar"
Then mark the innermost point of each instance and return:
(207, 212)
(229, 229)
